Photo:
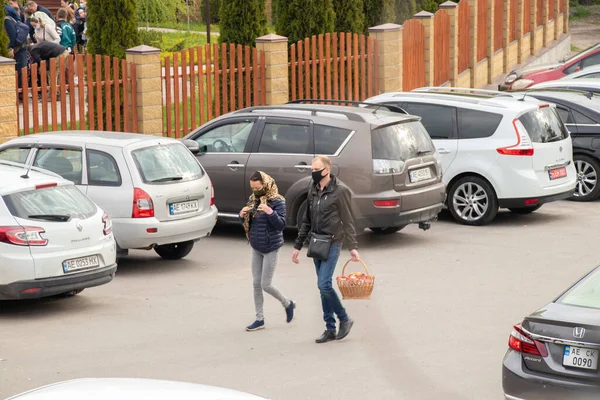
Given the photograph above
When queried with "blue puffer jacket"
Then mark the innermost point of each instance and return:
(266, 231)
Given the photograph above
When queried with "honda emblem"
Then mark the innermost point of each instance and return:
(578, 332)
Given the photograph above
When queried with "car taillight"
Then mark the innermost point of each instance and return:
(523, 146)
(212, 194)
(386, 203)
(143, 207)
(22, 235)
(107, 224)
(523, 343)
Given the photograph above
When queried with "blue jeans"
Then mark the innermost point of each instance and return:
(329, 299)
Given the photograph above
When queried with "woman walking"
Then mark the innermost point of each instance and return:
(43, 32)
(264, 222)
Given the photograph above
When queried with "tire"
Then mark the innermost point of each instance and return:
(472, 201)
(525, 210)
(174, 251)
(388, 230)
(300, 215)
(588, 171)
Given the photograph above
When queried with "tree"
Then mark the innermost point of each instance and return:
(429, 5)
(299, 19)
(153, 11)
(242, 21)
(379, 12)
(112, 27)
(4, 41)
(349, 15)
(215, 7)
(405, 9)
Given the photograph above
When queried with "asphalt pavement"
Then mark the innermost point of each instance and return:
(436, 327)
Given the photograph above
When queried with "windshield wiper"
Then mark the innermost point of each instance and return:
(423, 152)
(168, 179)
(51, 217)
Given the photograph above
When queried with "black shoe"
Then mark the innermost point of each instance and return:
(344, 329)
(255, 326)
(327, 336)
(289, 311)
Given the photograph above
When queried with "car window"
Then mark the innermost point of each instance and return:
(167, 163)
(594, 59)
(15, 154)
(58, 200)
(328, 139)
(573, 68)
(585, 293)
(582, 119)
(474, 124)
(438, 120)
(285, 138)
(102, 169)
(227, 138)
(565, 115)
(64, 162)
(544, 125)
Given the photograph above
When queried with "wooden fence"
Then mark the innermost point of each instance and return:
(413, 55)
(551, 10)
(207, 81)
(514, 15)
(527, 16)
(441, 46)
(464, 35)
(79, 93)
(336, 66)
(498, 24)
(540, 13)
(482, 29)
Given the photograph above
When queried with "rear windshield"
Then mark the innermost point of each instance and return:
(586, 293)
(544, 125)
(167, 163)
(58, 203)
(401, 141)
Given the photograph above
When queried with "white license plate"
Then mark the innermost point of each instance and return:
(580, 357)
(81, 263)
(418, 175)
(183, 207)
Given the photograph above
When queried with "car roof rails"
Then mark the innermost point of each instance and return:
(462, 91)
(376, 106)
(586, 93)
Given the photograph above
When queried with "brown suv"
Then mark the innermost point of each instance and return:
(384, 156)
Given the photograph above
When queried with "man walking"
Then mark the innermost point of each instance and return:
(65, 30)
(330, 222)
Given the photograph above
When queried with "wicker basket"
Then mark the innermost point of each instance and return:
(356, 286)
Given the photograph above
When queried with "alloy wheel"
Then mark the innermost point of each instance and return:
(587, 179)
(470, 201)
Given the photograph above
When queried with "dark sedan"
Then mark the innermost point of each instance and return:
(553, 354)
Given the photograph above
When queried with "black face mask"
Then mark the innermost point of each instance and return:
(259, 193)
(317, 175)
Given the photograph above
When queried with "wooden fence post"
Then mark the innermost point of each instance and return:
(9, 127)
(452, 9)
(389, 42)
(149, 94)
(276, 58)
(426, 18)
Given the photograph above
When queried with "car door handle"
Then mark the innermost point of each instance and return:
(443, 151)
(235, 166)
(301, 167)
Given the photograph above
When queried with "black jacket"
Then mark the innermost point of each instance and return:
(45, 51)
(329, 212)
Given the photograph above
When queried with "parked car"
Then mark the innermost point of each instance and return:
(385, 158)
(156, 192)
(591, 85)
(497, 151)
(526, 77)
(580, 111)
(587, 73)
(553, 353)
(53, 239)
(128, 388)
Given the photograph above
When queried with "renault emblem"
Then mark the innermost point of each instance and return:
(578, 332)
(79, 226)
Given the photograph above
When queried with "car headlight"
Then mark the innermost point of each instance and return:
(521, 84)
(510, 78)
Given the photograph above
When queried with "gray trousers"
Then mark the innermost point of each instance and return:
(263, 268)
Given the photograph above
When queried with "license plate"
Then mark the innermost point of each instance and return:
(418, 175)
(557, 173)
(183, 207)
(580, 357)
(81, 263)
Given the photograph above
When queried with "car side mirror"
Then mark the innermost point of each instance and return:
(193, 146)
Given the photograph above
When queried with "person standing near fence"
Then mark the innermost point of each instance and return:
(44, 33)
(264, 221)
(330, 223)
(18, 34)
(65, 30)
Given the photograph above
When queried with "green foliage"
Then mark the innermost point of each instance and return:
(151, 38)
(242, 21)
(405, 9)
(215, 7)
(299, 19)
(349, 15)
(379, 12)
(429, 5)
(580, 12)
(4, 41)
(112, 27)
(153, 11)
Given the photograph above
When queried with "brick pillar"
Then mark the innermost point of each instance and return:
(566, 22)
(276, 57)
(9, 127)
(148, 71)
(534, 33)
(490, 43)
(389, 44)
(452, 9)
(555, 16)
(426, 18)
(506, 36)
(520, 29)
(473, 51)
(545, 19)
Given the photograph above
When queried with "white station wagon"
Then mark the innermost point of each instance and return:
(154, 189)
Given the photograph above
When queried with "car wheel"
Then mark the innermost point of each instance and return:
(388, 230)
(472, 201)
(525, 210)
(300, 215)
(588, 170)
(174, 251)
(73, 293)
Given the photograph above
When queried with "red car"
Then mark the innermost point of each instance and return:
(523, 78)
